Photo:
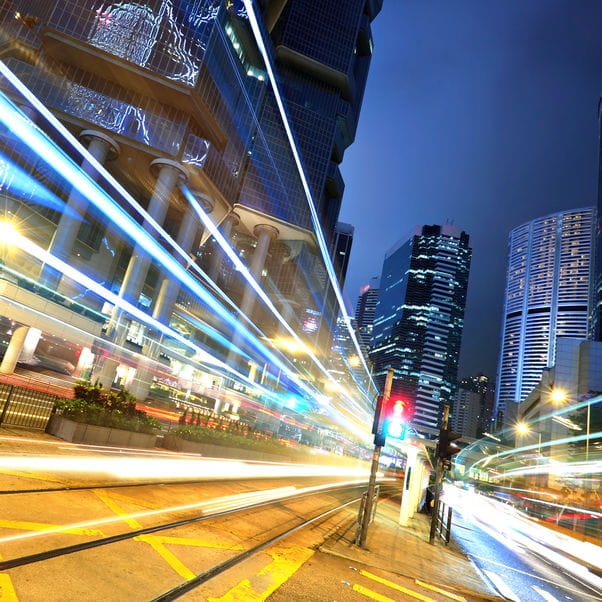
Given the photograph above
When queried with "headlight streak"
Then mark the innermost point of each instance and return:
(221, 504)
(568, 408)
(510, 526)
(31, 135)
(242, 268)
(535, 447)
(312, 208)
(560, 469)
(98, 197)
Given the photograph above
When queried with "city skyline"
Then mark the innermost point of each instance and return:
(480, 114)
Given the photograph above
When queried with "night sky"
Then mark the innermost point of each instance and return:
(480, 113)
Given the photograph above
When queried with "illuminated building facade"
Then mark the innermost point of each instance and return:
(364, 311)
(547, 297)
(419, 319)
(180, 241)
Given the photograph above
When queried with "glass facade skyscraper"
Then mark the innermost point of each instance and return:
(147, 154)
(548, 296)
(419, 319)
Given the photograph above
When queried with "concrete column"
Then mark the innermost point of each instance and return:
(168, 294)
(29, 112)
(228, 224)
(168, 291)
(13, 351)
(265, 234)
(102, 148)
(169, 175)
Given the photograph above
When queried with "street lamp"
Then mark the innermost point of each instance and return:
(523, 428)
(558, 396)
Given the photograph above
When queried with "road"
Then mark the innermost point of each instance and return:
(525, 562)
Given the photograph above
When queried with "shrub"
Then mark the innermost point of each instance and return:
(114, 409)
(201, 434)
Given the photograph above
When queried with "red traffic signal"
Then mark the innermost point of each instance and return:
(394, 415)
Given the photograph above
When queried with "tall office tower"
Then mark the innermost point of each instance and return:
(341, 250)
(472, 411)
(465, 412)
(364, 311)
(596, 310)
(419, 318)
(547, 297)
(323, 54)
(145, 146)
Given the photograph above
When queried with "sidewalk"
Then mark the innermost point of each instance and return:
(398, 564)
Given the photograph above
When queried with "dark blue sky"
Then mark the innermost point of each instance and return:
(479, 112)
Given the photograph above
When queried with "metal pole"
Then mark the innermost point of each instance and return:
(438, 479)
(589, 405)
(365, 519)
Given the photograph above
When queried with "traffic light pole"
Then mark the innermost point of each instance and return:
(438, 479)
(379, 438)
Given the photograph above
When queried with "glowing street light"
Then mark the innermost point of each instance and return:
(523, 428)
(558, 396)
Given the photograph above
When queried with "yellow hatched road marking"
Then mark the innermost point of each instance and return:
(440, 591)
(27, 526)
(370, 594)
(285, 562)
(199, 543)
(156, 542)
(174, 562)
(399, 588)
(7, 591)
(131, 522)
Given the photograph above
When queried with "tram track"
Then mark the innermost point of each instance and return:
(289, 506)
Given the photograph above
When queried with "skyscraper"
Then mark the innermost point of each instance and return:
(547, 297)
(420, 316)
(184, 217)
(364, 311)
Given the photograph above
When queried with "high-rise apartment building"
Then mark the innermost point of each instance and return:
(420, 316)
(184, 217)
(547, 297)
(365, 309)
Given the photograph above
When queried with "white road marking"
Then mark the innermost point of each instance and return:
(544, 594)
(501, 587)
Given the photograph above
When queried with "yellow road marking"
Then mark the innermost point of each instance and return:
(440, 591)
(131, 522)
(174, 562)
(27, 526)
(156, 542)
(399, 588)
(7, 591)
(370, 594)
(32, 475)
(131, 500)
(199, 543)
(285, 562)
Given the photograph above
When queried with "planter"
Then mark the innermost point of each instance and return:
(92, 434)
(218, 451)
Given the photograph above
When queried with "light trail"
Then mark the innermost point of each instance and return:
(31, 135)
(231, 502)
(254, 22)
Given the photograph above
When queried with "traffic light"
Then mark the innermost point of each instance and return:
(446, 447)
(394, 418)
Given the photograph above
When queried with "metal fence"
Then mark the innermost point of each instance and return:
(24, 407)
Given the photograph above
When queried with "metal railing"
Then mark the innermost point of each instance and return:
(443, 522)
(28, 408)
